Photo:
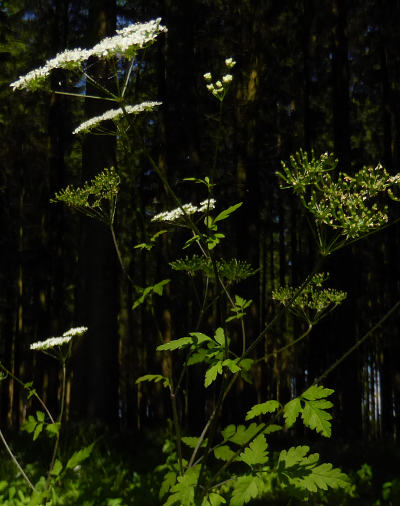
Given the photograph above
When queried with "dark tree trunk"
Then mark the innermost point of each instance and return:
(96, 375)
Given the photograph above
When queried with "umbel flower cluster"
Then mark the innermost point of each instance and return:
(125, 43)
(219, 88)
(56, 342)
(350, 205)
(115, 115)
(188, 209)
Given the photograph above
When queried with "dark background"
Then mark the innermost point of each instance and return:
(314, 75)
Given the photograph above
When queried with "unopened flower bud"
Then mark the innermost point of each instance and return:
(227, 78)
(207, 76)
(230, 63)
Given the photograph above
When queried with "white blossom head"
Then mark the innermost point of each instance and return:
(124, 44)
(186, 209)
(115, 115)
(55, 346)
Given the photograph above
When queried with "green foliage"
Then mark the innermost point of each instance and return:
(232, 270)
(96, 199)
(313, 302)
(239, 308)
(350, 206)
(262, 409)
(154, 377)
(146, 293)
(148, 246)
(312, 406)
(296, 469)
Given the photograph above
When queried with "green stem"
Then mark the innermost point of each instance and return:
(358, 343)
(16, 461)
(41, 402)
(60, 416)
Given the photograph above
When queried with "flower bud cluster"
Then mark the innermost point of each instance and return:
(186, 209)
(219, 88)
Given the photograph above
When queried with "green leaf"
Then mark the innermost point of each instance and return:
(324, 476)
(232, 365)
(154, 377)
(197, 357)
(168, 481)
(29, 425)
(38, 430)
(293, 456)
(317, 392)
(192, 441)
(223, 453)
(291, 411)
(200, 338)
(256, 453)
(40, 416)
(159, 287)
(227, 212)
(79, 456)
(315, 417)
(273, 428)
(262, 409)
(183, 490)
(211, 373)
(57, 468)
(213, 499)
(219, 336)
(175, 344)
(241, 434)
(53, 428)
(245, 489)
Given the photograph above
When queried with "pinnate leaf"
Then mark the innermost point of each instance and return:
(175, 344)
(241, 434)
(223, 453)
(79, 456)
(245, 489)
(315, 417)
(256, 453)
(317, 392)
(154, 377)
(291, 411)
(262, 409)
(324, 476)
(211, 373)
(213, 500)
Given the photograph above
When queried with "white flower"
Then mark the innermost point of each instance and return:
(207, 205)
(113, 114)
(210, 87)
(75, 331)
(171, 216)
(227, 78)
(230, 63)
(218, 84)
(207, 76)
(127, 41)
(52, 342)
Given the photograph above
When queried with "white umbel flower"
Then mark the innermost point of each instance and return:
(56, 342)
(175, 214)
(114, 114)
(75, 331)
(125, 43)
(51, 342)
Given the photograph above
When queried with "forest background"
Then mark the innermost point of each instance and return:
(313, 75)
